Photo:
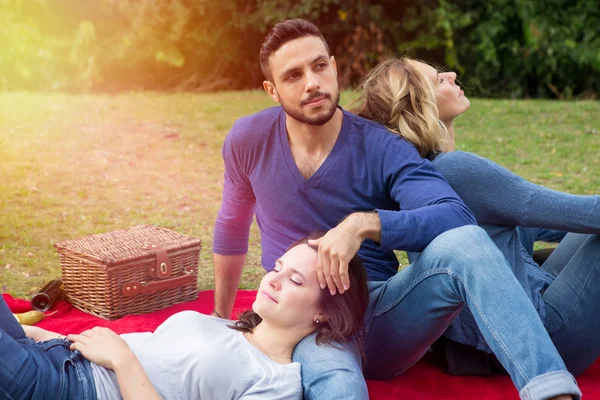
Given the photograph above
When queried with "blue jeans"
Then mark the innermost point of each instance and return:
(573, 300)
(408, 312)
(30, 370)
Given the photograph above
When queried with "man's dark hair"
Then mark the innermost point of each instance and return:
(282, 33)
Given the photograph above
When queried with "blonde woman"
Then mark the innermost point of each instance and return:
(414, 100)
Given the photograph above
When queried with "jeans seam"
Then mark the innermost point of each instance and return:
(312, 393)
(5, 393)
(80, 378)
(530, 391)
(416, 281)
(564, 321)
(62, 377)
(492, 331)
(450, 273)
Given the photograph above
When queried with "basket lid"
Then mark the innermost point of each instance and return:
(126, 245)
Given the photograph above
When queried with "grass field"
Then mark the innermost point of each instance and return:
(71, 166)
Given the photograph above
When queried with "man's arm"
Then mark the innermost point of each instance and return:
(228, 270)
(428, 207)
(232, 229)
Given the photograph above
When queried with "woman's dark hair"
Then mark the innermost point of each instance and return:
(282, 33)
(345, 312)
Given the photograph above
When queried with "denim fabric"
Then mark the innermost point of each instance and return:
(516, 213)
(572, 300)
(330, 372)
(44, 370)
(530, 276)
(529, 236)
(408, 312)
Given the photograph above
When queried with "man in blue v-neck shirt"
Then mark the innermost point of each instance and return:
(311, 166)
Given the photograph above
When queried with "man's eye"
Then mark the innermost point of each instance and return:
(321, 65)
(292, 76)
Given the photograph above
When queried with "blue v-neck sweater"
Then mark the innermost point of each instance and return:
(368, 169)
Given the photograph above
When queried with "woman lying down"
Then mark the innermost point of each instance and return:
(190, 355)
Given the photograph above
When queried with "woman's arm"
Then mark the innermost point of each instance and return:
(133, 381)
(497, 196)
(104, 347)
(39, 335)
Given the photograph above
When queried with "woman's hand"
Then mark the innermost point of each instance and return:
(107, 349)
(101, 346)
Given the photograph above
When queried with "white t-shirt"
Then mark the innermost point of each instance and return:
(196, 356)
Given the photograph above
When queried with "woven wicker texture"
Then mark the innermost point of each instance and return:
(95, 268)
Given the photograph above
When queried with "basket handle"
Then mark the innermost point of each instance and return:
(130, 289)
(163, 268)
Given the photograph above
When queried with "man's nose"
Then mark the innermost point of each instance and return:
(312, 82)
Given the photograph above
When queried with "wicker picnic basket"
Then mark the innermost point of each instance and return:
(131, 271)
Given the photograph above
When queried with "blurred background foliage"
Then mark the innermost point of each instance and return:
(500, 48)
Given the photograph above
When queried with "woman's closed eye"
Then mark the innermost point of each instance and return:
(296, 280)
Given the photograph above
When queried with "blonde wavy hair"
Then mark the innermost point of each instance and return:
(398, 95)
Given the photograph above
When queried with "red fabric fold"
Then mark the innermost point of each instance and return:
(422, 382)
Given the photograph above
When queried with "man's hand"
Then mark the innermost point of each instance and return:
(101, 346)
(337, 247)
(335, 250)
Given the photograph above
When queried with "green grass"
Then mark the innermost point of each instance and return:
(71, 166)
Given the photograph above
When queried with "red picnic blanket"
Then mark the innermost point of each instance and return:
(423, 381)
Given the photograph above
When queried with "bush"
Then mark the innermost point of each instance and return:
(504, 48)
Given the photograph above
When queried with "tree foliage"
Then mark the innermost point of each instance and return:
(502, 48)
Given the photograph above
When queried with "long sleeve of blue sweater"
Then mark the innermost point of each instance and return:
(368, 169)
(499, 197)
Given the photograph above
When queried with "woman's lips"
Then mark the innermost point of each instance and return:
(268, 296)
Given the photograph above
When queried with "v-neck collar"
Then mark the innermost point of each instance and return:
(306, 184)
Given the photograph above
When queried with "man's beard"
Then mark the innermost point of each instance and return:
(315, 121)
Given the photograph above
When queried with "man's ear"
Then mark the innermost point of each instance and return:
(271, 91)
(334, 64)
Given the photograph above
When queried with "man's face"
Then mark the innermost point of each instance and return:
(304, 80)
